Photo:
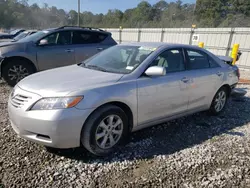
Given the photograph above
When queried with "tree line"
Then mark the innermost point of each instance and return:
(205, 13)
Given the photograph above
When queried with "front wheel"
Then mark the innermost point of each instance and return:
(104, 130)
(219, 101)
(16, 70)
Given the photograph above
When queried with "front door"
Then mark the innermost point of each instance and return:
(57, 52)
(163, 96)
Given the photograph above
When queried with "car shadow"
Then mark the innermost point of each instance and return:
(174, 136)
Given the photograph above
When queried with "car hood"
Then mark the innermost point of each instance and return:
(4, 34)
(5, 41)
(62, 81)
(5, 44)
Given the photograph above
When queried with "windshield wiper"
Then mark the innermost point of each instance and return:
(96, 68)
(82, 64)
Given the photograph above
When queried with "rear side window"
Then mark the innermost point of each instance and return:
(213, 63)
(197, 60)
(85, 37)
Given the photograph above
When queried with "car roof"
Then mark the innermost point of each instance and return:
(28, 31)
(159, 44)
(76, 28)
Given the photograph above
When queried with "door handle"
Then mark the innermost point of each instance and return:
(185, 80)
(69, 50)
(99, 49)
(219, 73)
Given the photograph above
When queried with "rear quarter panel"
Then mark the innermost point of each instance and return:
(229, 78)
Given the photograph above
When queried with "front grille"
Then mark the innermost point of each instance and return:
(19, 100)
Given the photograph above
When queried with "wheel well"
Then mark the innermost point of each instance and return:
(125, 108)
(228, 89)
(16, 58)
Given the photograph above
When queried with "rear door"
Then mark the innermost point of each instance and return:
(57, 52)
(87, 44)
(204, 78)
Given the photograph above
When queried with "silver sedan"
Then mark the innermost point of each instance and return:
(98, 102)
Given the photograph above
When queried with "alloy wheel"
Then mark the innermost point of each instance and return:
(109, 131)
(17, 72)
(220, 101)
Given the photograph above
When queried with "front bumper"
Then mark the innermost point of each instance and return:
(53, 128)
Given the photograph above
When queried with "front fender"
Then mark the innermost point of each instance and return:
(124, 92)
(30, 56)
(7, 56)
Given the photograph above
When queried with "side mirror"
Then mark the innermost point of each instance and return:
(156, 71)
(43, 42)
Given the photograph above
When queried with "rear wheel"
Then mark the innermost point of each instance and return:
(219, 101)
(105, 129)
(16, 70)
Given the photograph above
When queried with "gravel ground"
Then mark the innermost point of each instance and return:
(195, 151)
(245, 74)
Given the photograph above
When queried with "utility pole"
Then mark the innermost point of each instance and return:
(79, 10)
(193, 16)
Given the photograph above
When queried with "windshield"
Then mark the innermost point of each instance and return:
(20, 36)
(119, 59)
(34, 37)
(14, 32)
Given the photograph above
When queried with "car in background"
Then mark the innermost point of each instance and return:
(12, 34)
(125, 88)
(20, 36)
(49, 49)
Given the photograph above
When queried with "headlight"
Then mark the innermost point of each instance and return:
(56, 103)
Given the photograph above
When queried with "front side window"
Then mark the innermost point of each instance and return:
(172, 60)
(197, 60)
(59, 38)
(119, 59)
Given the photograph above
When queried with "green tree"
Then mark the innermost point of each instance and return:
(208, 13)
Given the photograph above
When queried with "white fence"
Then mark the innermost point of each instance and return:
(217, 40)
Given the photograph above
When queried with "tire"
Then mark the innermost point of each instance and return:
(16, 70)
(218, 105)
(93, 127)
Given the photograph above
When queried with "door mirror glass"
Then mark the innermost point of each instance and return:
(43, 42)
(156, 71)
